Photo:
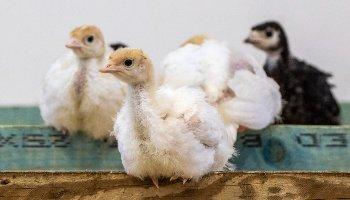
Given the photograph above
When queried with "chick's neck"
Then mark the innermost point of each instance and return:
(79, 81)
(85, 65)
(283, 52)
(280, 55)
(141, 96)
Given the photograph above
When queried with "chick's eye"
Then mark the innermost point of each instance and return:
(128, 62)
(90, 39)
(268, 33)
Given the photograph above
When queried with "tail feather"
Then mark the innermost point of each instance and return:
(257, 102)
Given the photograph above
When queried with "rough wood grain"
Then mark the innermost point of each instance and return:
(237, 185)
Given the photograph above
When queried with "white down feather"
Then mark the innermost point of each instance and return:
(207, 66)
(173, 147)
(255, 100)
(93, 110)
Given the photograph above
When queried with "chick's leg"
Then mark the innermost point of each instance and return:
(185, 180)
(155, 181)
(241, 129)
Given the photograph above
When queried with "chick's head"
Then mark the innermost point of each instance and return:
(268, 36)
(87, 42)
(196, 40)
(130, 65)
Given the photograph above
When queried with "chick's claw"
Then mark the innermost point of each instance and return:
(65, 131)
(173, 178)
(184, 181)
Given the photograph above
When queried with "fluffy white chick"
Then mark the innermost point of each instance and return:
(240, 89)
(76, 97)
(165, 132)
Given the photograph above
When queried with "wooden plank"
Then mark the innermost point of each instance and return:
(31, 115)
(112, 185)
(311, 148)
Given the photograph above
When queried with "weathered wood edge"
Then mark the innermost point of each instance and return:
(269, 127)
(45, 172)
(218, 185)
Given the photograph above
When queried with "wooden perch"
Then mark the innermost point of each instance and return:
(238, 185)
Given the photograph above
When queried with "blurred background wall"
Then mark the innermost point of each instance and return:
(33, 33)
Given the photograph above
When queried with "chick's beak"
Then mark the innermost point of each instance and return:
(253, 38)
(247, 40)
(111, 69)
(73, 44)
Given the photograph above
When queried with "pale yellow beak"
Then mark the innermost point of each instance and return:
(253, 38)
(73, 44)
(111, 69)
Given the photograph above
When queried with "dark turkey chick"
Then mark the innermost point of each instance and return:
(306, 90)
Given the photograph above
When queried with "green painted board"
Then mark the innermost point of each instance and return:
(311, 148)
(27, 147)
(42, 148)
(345, 108)
(20, 116)
(31, 115)
(306, 148)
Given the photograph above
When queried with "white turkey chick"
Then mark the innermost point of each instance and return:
(165, 132)
(76, 97)
(240, 89)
